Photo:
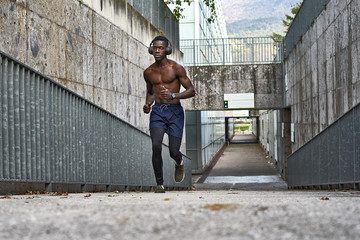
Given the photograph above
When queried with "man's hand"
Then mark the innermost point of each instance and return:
(165, 93)
(147, 108)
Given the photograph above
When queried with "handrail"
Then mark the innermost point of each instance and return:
(49, 134)
(332, 158)
(227, 51)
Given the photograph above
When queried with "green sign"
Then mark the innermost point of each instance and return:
(226, 104)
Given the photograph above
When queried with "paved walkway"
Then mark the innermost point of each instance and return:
(242, 166)
(217, 209)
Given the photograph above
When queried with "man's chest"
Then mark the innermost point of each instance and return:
(162, 77)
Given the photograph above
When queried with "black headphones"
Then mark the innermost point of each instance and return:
(168, 49)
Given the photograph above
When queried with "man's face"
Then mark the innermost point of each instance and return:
(159, 50)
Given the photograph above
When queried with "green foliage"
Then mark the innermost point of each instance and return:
(211, 5)
(179, 8)
(288, 19)
(276, 37)
(287, 22)
(242, 128)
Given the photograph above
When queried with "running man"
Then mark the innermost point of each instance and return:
(163, 81)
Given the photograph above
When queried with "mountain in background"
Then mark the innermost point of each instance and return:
(255, 18)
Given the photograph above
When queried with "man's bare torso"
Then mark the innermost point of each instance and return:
(163, 77)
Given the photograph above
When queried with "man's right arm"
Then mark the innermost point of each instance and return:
(149, 93)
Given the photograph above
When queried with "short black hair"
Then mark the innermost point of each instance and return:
(161, 38)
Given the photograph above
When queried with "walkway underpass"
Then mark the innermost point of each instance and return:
(241, 166)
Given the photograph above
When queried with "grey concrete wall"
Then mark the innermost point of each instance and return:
(267, 132)
(274, 137)
(97, 51)
(322, 72)
(211, 82)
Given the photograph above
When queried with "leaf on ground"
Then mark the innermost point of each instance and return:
(324, 198)
(220, 206)
(88, 195)
(60, 194)
(167, 199)
(122, 220)
(113, 195)
(260, 209)
(29, 192)
(5, 197)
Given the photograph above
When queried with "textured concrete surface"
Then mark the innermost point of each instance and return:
(224, 214)
(242, 166)
(98, 49)
(215, 210)
(212, 82)
(322, 71)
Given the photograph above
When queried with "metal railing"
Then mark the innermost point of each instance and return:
(227, 51)
(331, 159)
(49, 134)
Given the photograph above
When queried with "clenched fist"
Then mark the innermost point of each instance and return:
(147, 108)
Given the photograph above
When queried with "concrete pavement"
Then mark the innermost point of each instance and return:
(242, 166)
(219, 208)
(200, 214)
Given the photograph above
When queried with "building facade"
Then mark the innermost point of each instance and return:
(205, 130)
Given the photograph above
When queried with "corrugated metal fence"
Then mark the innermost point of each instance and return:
(331, 159)
(49, 134)
(227, 51)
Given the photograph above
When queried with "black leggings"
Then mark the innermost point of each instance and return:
(157, 135)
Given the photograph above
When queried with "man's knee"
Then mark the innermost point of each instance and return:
(175, 154)
(156, 147)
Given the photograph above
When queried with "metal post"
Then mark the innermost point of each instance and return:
(223, 51)
(252, 51)
(194, 51)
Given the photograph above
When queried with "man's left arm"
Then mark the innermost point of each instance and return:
(185, 82)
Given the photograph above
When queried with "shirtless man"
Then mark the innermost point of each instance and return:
(163, 80)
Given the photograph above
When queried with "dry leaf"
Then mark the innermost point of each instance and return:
(324, 198)
(5, 197)
(122, 220)
(113, 195)
(219, 206)
(261, 209)
(60, 194)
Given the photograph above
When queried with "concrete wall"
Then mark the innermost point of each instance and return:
(274, 137)
(205, 137)
(98, 51)
(322, 71)
(211, 82)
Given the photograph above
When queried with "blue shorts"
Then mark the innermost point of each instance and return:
(169, 116)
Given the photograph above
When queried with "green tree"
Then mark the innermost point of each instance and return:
(287, 21)
(244, 128)
(179, 8)
(289, 18)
